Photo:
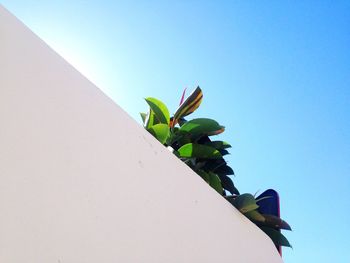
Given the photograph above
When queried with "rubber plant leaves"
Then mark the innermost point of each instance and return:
(191, 142)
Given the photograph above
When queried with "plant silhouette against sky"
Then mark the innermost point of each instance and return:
(191, 142)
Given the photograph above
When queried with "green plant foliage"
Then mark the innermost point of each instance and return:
(255, 216)
(201, 127)
(276, 236)
(161, 112)
(215, 182)
(189, 105)
(160, 131)
(150, 119)
(224, 170)
(245, 203)
(212, 179)
(228, 185)
(219, 145)
(204, 175)
(191, 142)
(267, 220)
(275, 222)
(143, 116)
(193, 150)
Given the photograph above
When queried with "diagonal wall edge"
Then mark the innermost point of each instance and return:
(80, 181)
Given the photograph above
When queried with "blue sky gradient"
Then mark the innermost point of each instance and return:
(275, 73)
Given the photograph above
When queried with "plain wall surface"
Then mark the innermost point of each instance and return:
(80, 181)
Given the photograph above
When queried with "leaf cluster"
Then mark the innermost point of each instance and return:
(191, 142)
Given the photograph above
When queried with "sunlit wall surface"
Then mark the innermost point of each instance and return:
(81, 181)
(275, 73)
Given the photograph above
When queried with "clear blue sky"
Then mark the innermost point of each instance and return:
(275, 73)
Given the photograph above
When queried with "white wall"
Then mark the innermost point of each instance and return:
(80, 181)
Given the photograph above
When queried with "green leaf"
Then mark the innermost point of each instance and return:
(182, 140)
(267, 220)
(160, 110)
(223, 152)
(201, 126)
(275, 222)
(219, 145)
(218, 166)
(245, 203)
(276, 236)
(189, 105)
(215, 182)
(224, 170)
(255, 216)
(212, 179)
(193, 150)
(150, 119)
(228, 184)
(204, 175)
(143, 117)
(160, 131)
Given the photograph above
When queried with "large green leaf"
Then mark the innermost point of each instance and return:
(245, 203)
(160, 110)
(276, 236)
(219, 145)
(201, 126)
(160, 131)
(215, 182)
(193, 150)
